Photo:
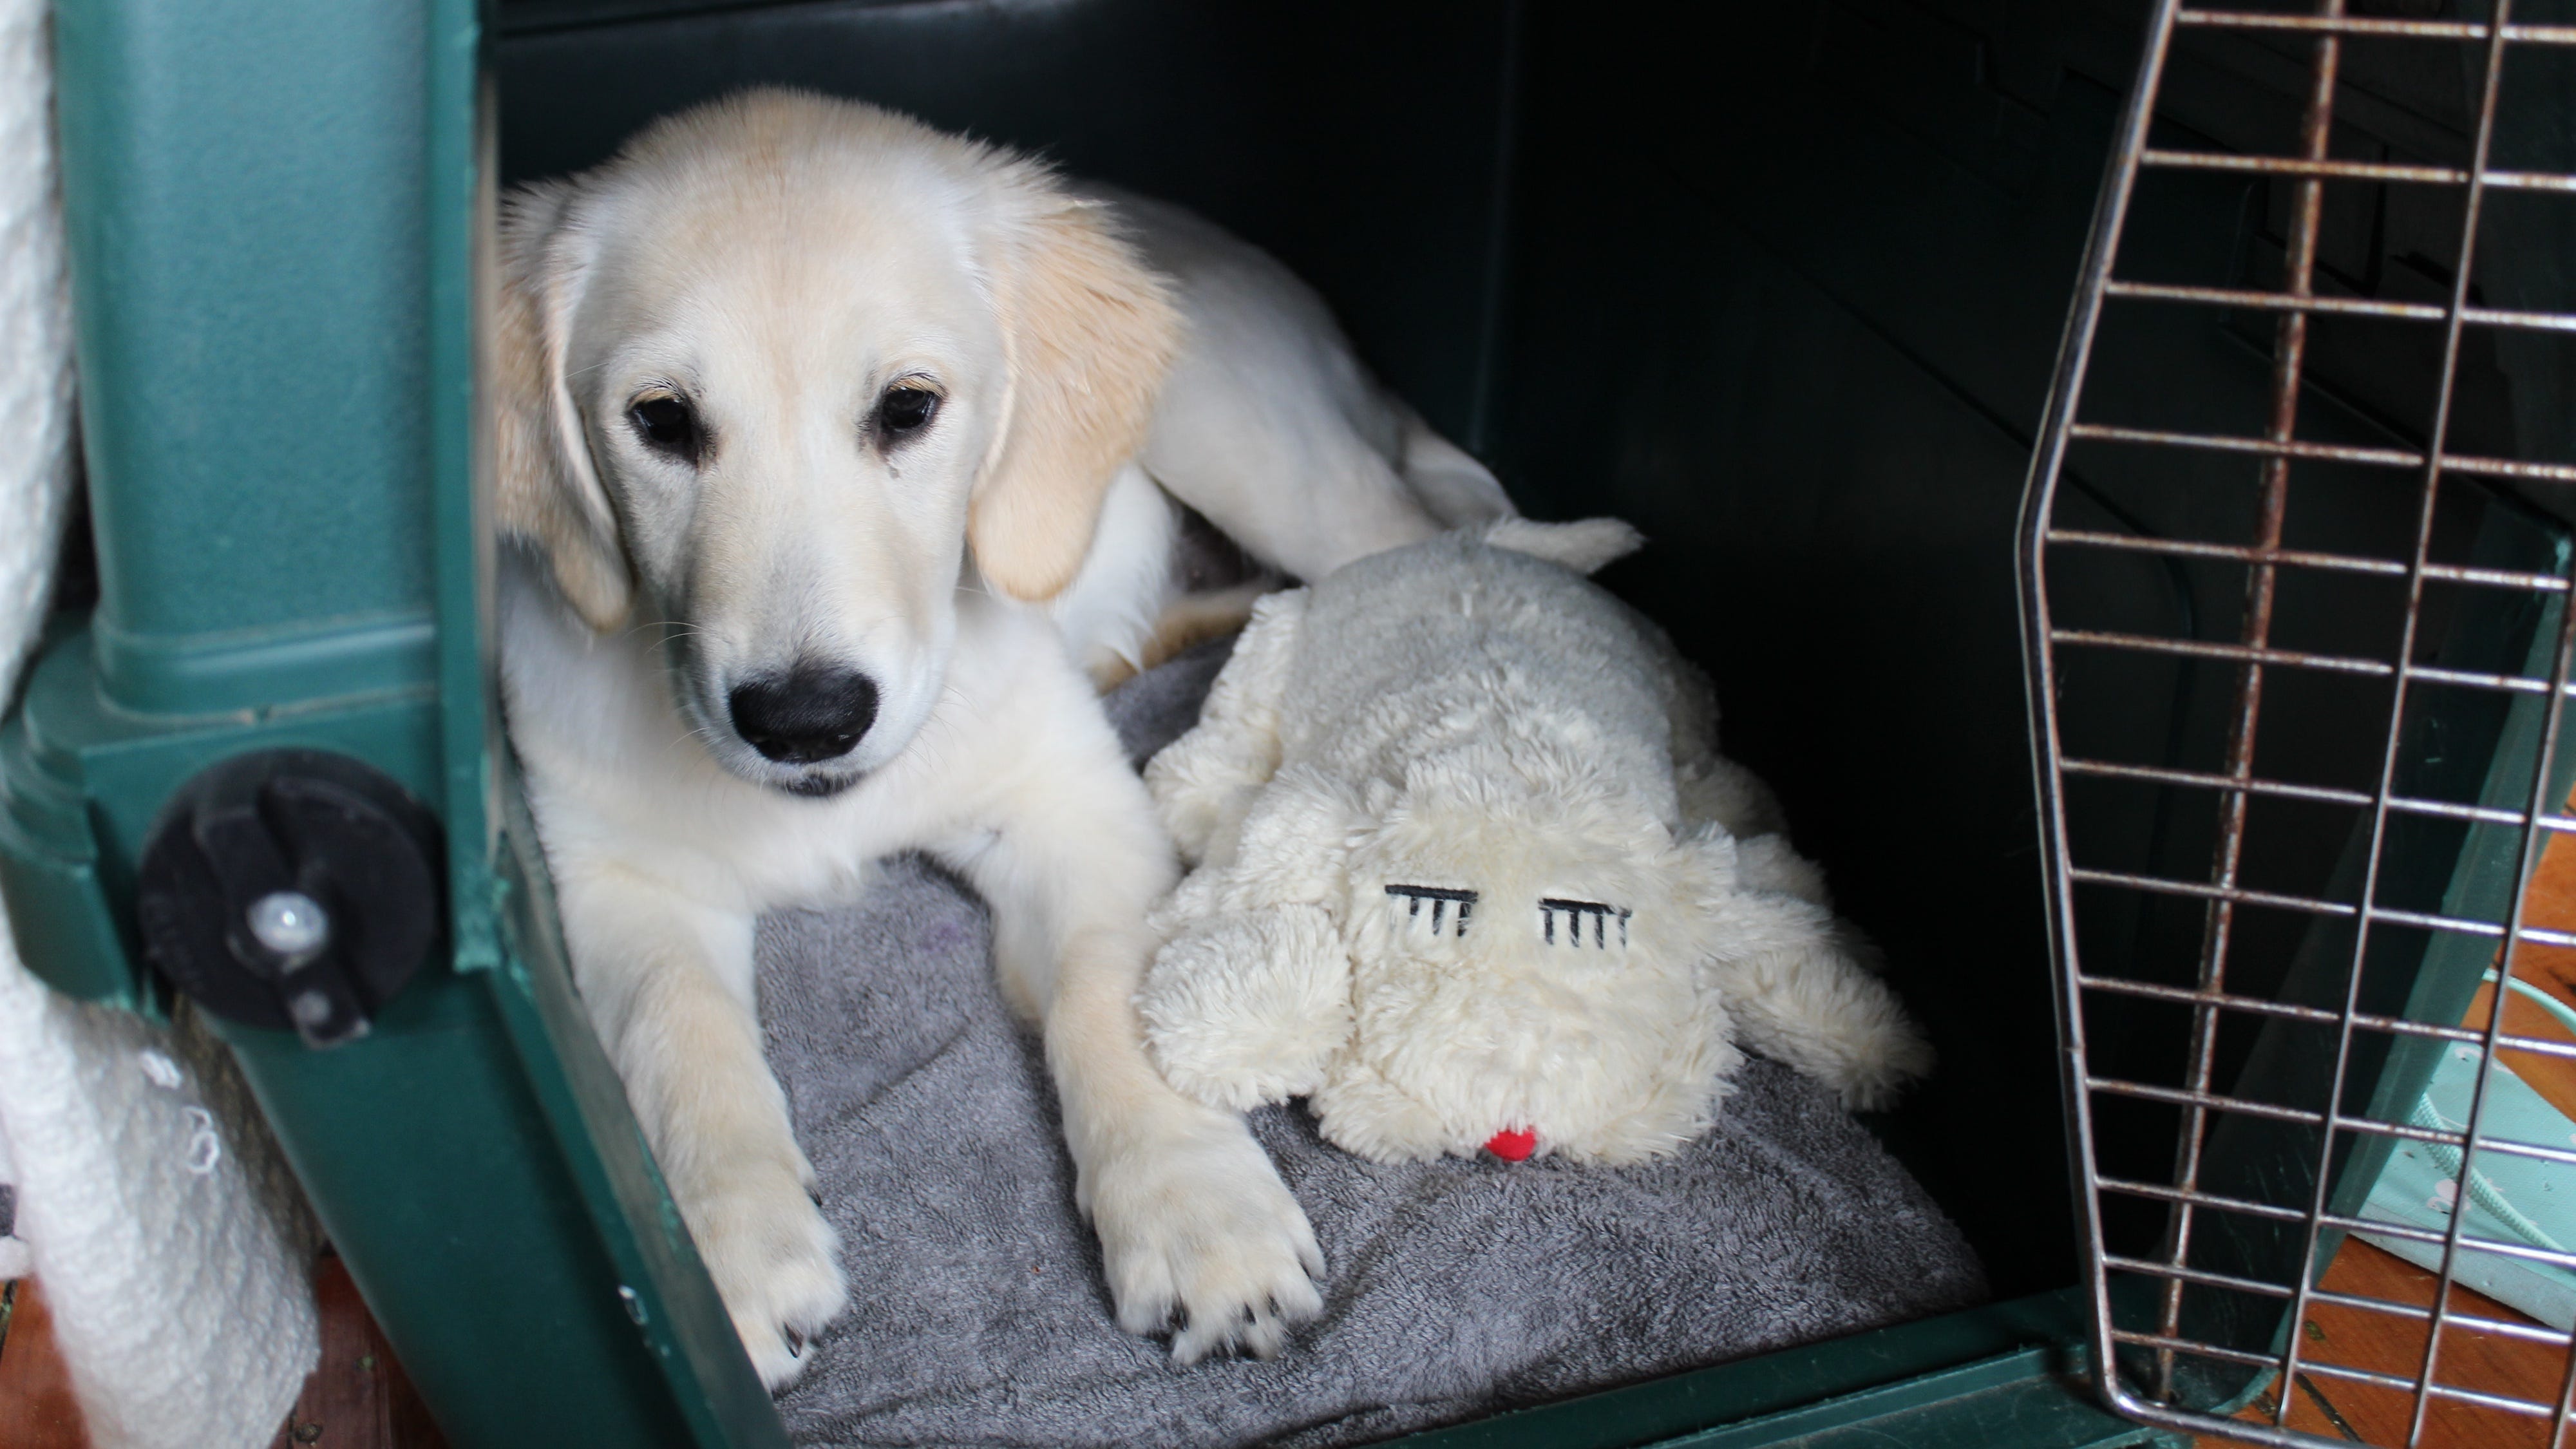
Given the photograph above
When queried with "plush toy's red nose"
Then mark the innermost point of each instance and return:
(1513, 1146)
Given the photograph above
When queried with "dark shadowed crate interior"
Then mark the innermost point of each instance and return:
(1781, 284)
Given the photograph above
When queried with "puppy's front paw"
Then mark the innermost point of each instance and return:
(1197, 1223)
(775, 1262)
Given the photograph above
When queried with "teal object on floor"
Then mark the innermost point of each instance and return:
(2511, 1198)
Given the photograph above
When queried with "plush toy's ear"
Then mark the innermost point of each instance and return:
(1088, 335)
(1248, 1007)
(1205, 781)
(547, 490)
(1297, 839)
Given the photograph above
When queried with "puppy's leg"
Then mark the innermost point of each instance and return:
(669, 987)
(1270, 426)
(1191, 1215)
(1445, 478)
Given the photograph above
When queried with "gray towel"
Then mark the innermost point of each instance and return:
(979, 1316)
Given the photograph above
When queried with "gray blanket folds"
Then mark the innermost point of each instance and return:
(1456, 1288)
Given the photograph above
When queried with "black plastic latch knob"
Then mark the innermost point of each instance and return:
(292, 888)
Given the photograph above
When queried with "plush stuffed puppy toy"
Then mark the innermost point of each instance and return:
(1470, 874)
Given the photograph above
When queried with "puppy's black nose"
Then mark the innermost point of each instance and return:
(812, 713)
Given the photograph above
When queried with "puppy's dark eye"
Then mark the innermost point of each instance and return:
(670, 427)
(904, 411)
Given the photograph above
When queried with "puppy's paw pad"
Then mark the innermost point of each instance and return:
(1203, 1231)
(775, 1262)
(776, 1357)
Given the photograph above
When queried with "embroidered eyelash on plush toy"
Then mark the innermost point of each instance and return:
(1471, 709)
(1440, 898)
(1549, 907)
(1598, 914)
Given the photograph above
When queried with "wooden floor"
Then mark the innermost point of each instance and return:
(36, 1406)
(356, 1398)
(2322, 1405)
(2341, 1409)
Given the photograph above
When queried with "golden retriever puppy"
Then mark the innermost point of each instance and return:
(833, 449)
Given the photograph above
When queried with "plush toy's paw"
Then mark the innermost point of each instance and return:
(1245, 1008)
(1841, 1024)
(1195, 1224)
(775, 1262)
(1882, 1060)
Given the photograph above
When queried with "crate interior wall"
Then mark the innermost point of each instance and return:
(1782, 284)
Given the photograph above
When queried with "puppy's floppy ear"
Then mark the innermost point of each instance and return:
(1088, 334)
(547, 490)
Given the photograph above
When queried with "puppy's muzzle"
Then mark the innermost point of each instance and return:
(811, 714)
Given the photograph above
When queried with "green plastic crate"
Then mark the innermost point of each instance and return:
(1782, 286)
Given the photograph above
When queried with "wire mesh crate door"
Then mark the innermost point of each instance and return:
(2296, 573)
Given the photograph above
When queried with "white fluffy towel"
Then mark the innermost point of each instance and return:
(150, 1201)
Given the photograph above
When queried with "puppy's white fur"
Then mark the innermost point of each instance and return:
(780, 261)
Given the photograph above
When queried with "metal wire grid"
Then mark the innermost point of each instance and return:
(2201, 1100)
